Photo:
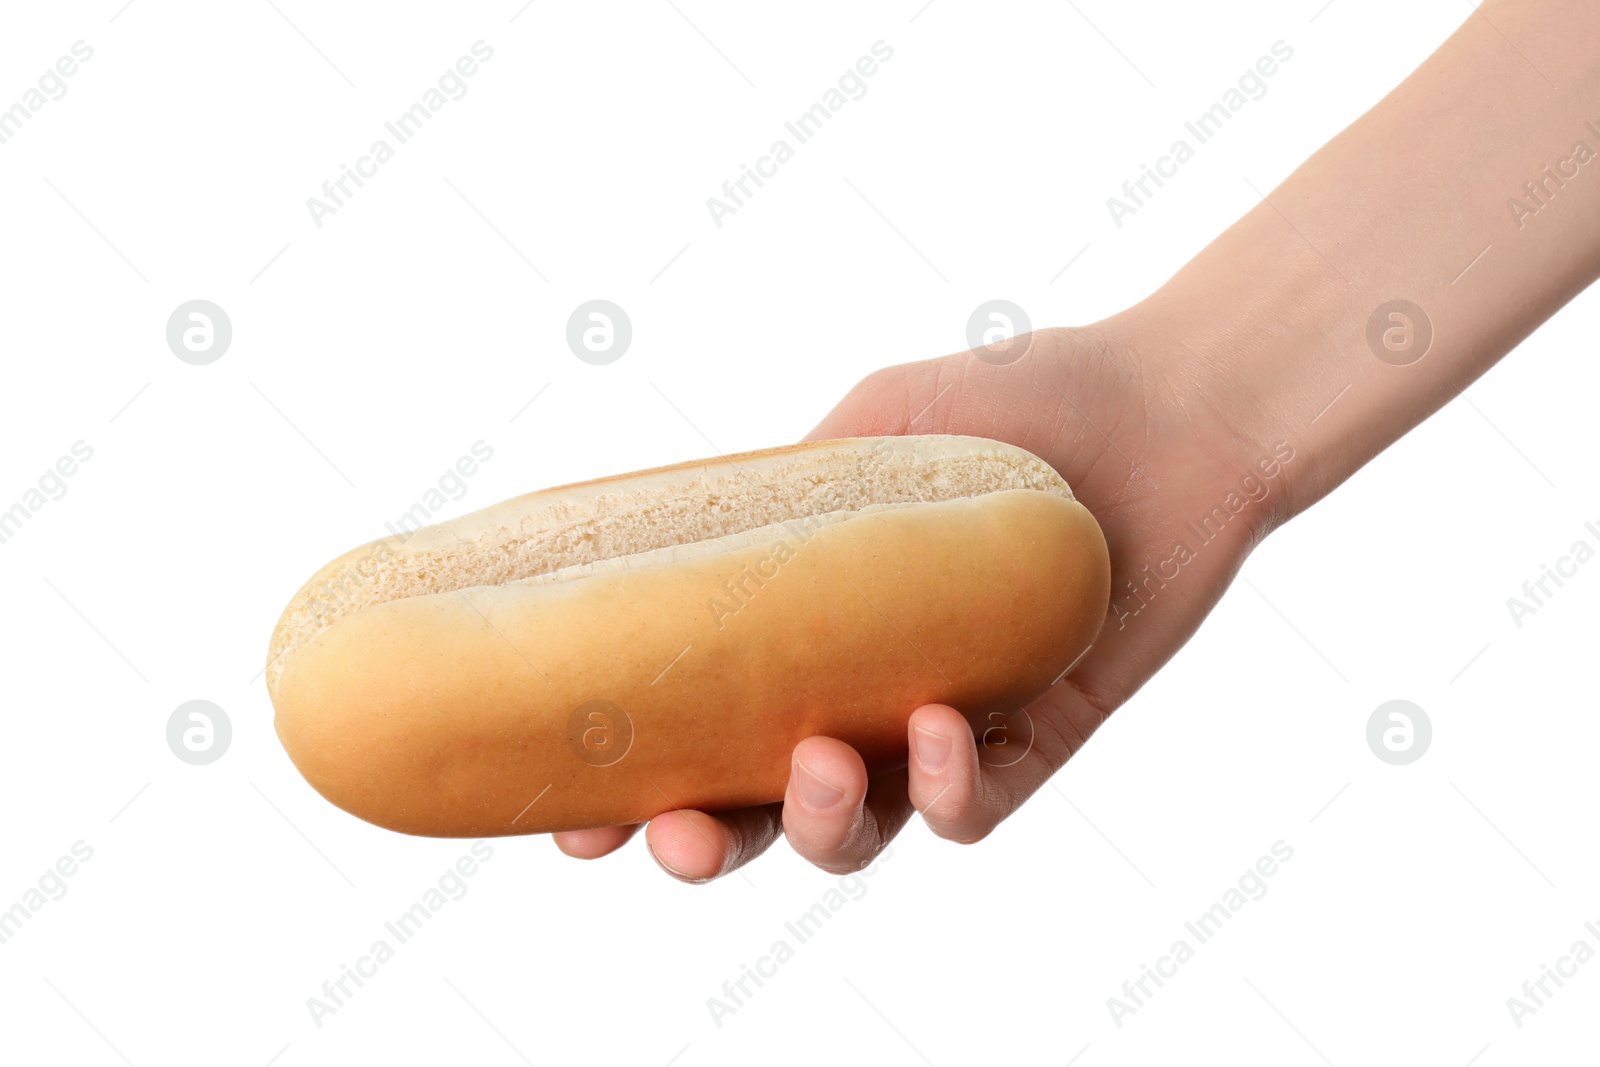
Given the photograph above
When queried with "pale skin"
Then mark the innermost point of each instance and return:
(1156, 414)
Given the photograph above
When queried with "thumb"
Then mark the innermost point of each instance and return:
(887, 403)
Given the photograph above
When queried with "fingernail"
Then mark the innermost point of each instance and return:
(665, 866)
(932, 749)
(814, 791)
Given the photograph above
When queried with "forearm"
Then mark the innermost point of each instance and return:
(1416, 201)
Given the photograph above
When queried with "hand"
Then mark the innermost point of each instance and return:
(1147, 453)
(1243, 390)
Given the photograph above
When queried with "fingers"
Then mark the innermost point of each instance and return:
(592, 844)
(833, 816)
(689, 845)
(965, 786)
(695, 847)
(946, 783)
(840, 820)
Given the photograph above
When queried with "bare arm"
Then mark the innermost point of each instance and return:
(1491, 149)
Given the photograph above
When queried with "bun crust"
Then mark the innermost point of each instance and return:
(607, 690)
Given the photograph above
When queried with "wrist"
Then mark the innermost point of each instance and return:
(1336, 315)
(1241, 345)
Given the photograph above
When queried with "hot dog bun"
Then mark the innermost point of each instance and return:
(599, 653)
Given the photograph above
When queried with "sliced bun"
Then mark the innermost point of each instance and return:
(599, 653)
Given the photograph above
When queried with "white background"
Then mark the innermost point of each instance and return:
(415, 322)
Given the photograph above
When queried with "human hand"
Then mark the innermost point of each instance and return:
(1152, 457)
